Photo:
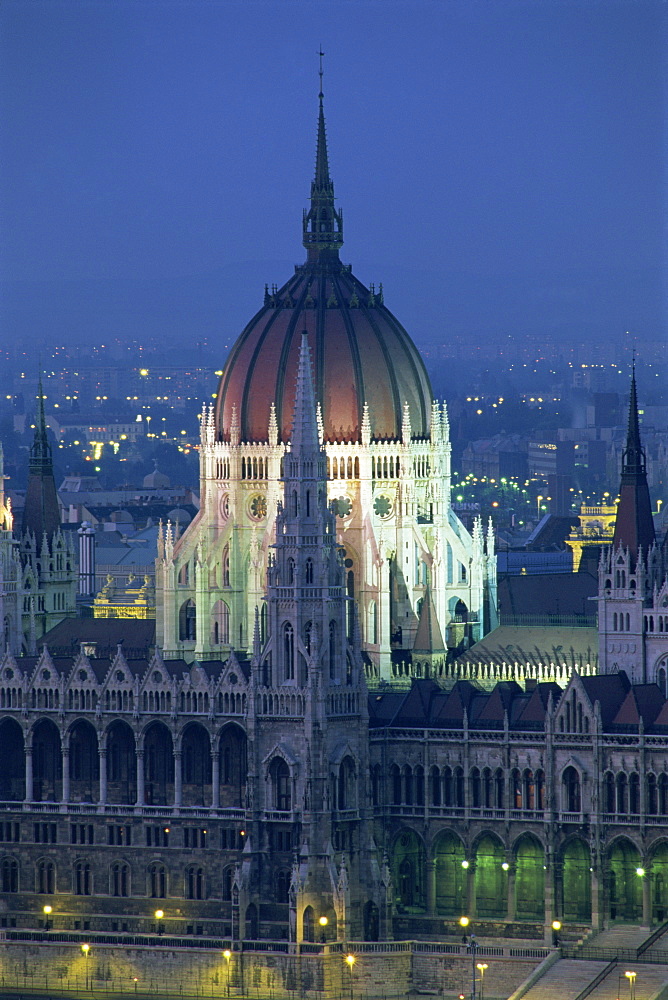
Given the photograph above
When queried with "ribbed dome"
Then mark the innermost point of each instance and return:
(361, 353)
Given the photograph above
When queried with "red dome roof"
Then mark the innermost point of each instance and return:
(361, 353)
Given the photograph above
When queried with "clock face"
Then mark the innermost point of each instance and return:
(257, 507)
(225, 506)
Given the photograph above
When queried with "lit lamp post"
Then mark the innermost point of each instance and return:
(227, 955)
(472, 945)
(350, 962)
(631, 976)
(323, 921)
(159, 915)
(556, 927)
(47, 910)
(85, 949)
(481, 966)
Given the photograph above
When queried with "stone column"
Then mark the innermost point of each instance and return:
(140, 775)
(596, 915)
(550, 913)
(646, 898)
(511, 905)
(470, 890)
(215, 779)
(65, 751)
(102, 753)
(431, 887)
(28, 766)
(177, 779)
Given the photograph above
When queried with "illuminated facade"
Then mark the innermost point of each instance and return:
(388, 470)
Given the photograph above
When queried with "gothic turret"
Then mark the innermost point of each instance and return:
(634, 527)
(41, 513)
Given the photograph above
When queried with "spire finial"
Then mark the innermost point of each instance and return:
(323, 224)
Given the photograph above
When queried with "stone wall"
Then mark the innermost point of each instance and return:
(390, 970)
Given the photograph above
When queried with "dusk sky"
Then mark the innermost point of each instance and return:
(500, 165)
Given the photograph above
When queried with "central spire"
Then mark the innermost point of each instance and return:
(322, 224)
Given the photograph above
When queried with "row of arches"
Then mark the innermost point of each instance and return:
(450, 787)
(85, 879)
(253, 467)
(340, 468)
(622, 793)
(119, 767)
(385, 467)
(491, 882)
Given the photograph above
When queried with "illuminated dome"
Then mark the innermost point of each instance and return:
(361, 353)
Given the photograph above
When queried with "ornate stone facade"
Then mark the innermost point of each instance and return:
(388, 472)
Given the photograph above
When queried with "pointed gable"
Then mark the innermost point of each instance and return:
(428, 638)
(498, 703)
(415, 707)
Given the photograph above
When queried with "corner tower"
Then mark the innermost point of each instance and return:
(633, 576)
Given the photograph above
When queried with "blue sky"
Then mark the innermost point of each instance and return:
(500, 165)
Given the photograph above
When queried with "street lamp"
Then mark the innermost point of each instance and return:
(47, 910)
(556, 927)
(473, 947)
(481, 966)
(85, 949)
(227, 955)
(631, 976)
(350, 962)
(159, 914)
(323, 921)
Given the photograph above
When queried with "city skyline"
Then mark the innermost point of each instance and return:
(500, 171)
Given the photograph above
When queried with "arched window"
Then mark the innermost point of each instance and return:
(474, 783)
(82, 879)
(279, 773)
(291, 572)
(187, 621)
(373, 622)
(663, 794)
(571, 782)
(46, 877)
(308, 631)
(622, 800)
(9, 875)
(609, 797)
(158, 880)
(228, 883)
(220, 619)
(408, 785)
(308, 571)
(395, 775)
(120, 879)
(435, 786)
(288, 652)
(652, 797)
(194, 882)
(634, 793)
(226, 566)
(309, 924)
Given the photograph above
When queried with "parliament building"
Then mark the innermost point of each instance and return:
(291, 762)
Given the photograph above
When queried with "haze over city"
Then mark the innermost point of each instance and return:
(501, 167)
